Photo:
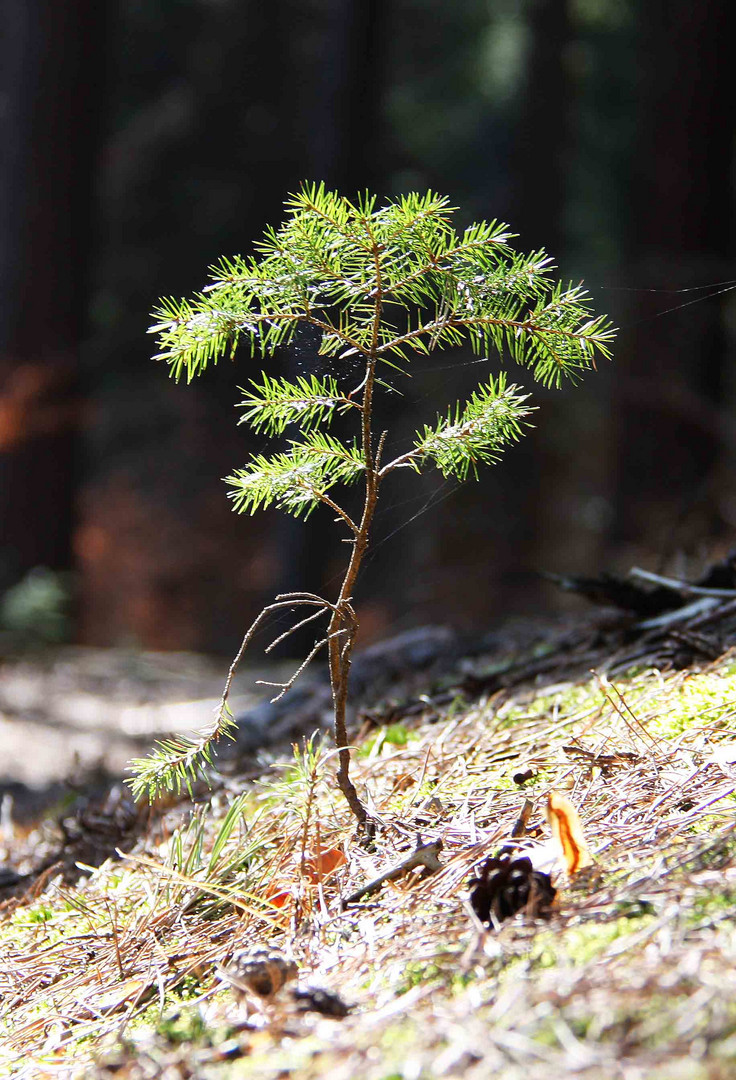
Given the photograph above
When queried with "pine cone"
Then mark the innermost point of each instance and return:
(317, 999)
(260, 969)
(505, 886)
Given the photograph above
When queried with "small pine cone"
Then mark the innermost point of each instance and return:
(505, 886)
(260, 969)
(317, 999)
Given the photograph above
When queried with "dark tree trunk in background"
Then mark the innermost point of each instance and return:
(346, 147)
(50, 88)
(543, 132)
(671, 375)
(225, 110)
(556, 476)
(202, 148)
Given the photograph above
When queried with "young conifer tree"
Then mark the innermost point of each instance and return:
(376, 283)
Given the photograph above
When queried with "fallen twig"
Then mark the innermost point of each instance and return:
(423, 855)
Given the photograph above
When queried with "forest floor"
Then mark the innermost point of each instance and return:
(224, 941)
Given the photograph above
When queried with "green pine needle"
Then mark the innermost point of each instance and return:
(296, 481)
(176, 764)
(475, 433)
(272, 404)
(324, 266)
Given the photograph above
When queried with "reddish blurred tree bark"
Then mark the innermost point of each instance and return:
(48, 64)
(215, 125)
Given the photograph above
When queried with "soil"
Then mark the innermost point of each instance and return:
(72, 715)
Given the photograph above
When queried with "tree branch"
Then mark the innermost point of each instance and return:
(453, 323)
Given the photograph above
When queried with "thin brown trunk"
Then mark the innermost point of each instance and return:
(341, 650)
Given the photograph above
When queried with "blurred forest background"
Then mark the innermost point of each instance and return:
(143, 139)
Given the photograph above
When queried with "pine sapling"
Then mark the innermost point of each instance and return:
(376, 284)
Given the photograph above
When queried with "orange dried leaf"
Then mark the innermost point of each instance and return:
(564, 821)
(279, 897)
(320, 866)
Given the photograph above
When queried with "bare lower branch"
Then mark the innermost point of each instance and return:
(288, 685)
(358, 388)
(297, 626)
(402, 462)
(282, 600)
(379, 451)
(304, 596)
